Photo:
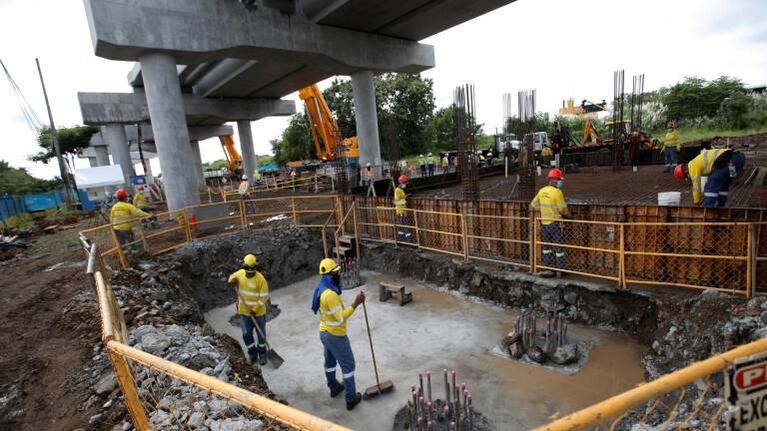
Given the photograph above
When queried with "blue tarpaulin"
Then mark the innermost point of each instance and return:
(17, 205)
(268, 168)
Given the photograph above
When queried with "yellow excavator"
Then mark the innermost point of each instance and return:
(233, 158)
(327, 136)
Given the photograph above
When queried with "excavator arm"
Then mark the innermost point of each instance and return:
(325, 132)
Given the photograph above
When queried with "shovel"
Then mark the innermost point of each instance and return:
(379, 388)
(272, 356)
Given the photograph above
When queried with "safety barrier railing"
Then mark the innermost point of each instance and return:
(312, 184)
(166, 231)
(691, 398)
(160, 394)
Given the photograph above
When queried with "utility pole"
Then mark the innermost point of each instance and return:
(55, 142)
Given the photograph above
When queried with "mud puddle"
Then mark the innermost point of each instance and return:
(437, 330)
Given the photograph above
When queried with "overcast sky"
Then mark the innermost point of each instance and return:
(563, 48)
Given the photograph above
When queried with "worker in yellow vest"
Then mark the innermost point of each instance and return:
(123, 214)
(403, 215)
(550, 201)
(672, 146)
(721, 166)
(326, 301)
(252, 304)
(139, 200)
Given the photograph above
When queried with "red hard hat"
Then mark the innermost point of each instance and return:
(141, 188)
(679, 172)
(555, 174)
(121, 194)
(402, 179)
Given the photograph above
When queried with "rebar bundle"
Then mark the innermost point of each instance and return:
(526, 101)
(339, 164)
(350, 273)
(457, 408)
(464, 122)
(618, 132)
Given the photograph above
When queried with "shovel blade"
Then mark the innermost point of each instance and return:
(274, 359)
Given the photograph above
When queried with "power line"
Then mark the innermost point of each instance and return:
(30, 116)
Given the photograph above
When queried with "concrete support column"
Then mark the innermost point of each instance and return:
(198, 165)
(102, 159)
(115, 137)
(148, 172)
(363, 90)
(92, 162)
(248, 152)
(171, 136)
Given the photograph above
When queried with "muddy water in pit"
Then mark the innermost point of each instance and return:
(436, 331)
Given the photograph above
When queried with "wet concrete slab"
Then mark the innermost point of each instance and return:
(437, 330)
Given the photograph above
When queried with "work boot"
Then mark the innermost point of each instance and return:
(262, 360)
(338, 389)
(351, 405)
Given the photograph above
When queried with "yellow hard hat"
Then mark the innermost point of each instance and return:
(328, 265)
(250, 260)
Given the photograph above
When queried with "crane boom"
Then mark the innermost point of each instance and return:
(233, 158)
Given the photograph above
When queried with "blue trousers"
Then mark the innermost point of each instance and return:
(552, 233)
(670, 157)
(338, 350)
(717, 188)
(246, 324)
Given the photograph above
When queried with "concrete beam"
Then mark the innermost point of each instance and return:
(196, 133)
(197, 31)
(131, 108)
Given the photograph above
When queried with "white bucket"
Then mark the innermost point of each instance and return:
(669, 199)
(703, 181)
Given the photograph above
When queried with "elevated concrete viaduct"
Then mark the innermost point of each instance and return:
(223, 49)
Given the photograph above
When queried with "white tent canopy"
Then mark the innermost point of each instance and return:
(100, 176)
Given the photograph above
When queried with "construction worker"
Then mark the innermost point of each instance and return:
(720, 166)
(400, 203)
(551, 202)
(430, 162)
(672, 146)
(445, 164)
(252, 303)
(122, 215)
(422, 164)
(333, 318)
(244, 187)
(139, 200)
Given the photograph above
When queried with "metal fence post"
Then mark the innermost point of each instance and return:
(120, 253)
(243, 218)
(356, 232)
(532, 232)
(187, 226)
(465, 239)
(622, 262)
(417, 231)
(293, 205)
(751, 261)
(129, 390)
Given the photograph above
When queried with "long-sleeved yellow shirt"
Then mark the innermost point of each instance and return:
(253, 293)
(673, 139)
(124, 214)
(333, 313)
(400, 201)
(551, 201)
(701, 166)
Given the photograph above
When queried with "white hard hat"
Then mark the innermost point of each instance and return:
(429, 154)
(367, 164)
(420, 155)
(244, 177)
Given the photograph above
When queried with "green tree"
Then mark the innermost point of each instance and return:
(214, 165)
(17, 181)
(71, 141)
(734, 109)
(296, 141)
(443, 129)
(405, 100)
(695, 97)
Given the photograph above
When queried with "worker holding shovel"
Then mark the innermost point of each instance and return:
(253, 297)
(333, 317)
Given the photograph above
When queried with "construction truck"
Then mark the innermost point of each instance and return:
(327, 136)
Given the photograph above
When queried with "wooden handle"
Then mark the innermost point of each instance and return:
(370, 339)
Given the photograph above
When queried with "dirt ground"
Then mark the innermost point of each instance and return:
(44, 343)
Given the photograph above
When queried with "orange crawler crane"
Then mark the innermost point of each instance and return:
(327, 136)
(233, 158)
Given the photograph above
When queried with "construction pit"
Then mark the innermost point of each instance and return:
(460, 313)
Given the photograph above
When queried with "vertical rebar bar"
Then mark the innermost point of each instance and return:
(428, 385)
(420, 385)
(447, 388)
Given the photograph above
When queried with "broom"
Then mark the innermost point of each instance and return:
(379, 388)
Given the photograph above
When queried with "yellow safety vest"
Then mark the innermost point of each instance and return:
(243, 188)
(701, 166)
(254, 291)
(139, 201)
(333, 314)
(400, 201)
(551, 202)
(123, 214)
(673, 139)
